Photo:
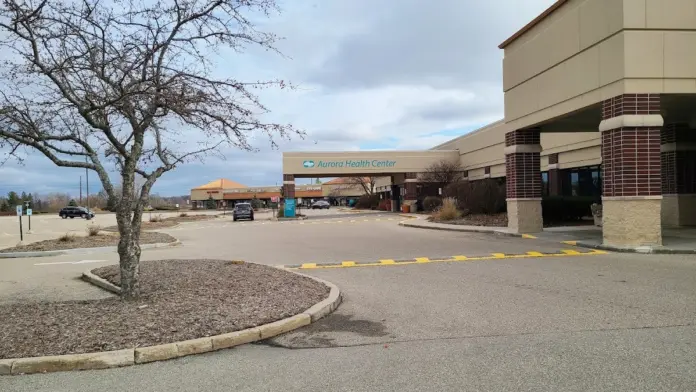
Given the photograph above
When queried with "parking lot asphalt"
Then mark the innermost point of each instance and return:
(605, 322)
(50, 226)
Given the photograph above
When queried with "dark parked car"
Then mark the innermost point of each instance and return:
(72, 212)
(243, 211)
(321, 204)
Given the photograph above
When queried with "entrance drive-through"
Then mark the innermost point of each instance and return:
(399, 169)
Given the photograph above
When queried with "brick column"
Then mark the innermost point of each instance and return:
(523, 182)
(395, 197)
(411, 190)
(288, 186)
(678, 153)
(631, 179)
(555, 187)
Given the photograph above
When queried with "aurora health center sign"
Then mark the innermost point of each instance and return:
(349, 163)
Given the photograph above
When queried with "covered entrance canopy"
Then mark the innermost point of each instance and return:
(372, 163)
(401, 166)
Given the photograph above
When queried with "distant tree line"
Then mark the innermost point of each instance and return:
(53, 202)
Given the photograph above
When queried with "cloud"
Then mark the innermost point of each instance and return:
(371, 74)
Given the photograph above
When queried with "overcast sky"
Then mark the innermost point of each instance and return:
(388, 74)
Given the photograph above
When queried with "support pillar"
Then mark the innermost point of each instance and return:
(395, 197)
(289, 195)
(555, 187)
(411, 190)
(631, 173)
(678, 152)
(523, 182)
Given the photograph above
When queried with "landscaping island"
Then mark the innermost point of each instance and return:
(181, 300)
(92, 240)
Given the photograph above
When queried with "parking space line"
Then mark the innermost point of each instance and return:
(459, 258)
(528, 236)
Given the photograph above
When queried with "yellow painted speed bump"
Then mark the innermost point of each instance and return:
(528, 236)
(573, 243)
(423, 260)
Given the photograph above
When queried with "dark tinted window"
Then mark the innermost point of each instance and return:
(243, 206)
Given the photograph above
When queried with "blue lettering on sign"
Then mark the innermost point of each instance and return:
(354, 163)
(289, 208)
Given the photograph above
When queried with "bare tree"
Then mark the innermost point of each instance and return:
(130, 85)
(442, 173)
(368, 184)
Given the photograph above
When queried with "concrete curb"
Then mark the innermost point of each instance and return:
(582, 244)
(419, 225)
(89, 277)
(641, 249)
(291, 219)
(48, 253)
(163, 352)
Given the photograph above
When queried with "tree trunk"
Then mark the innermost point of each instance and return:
(129, 243)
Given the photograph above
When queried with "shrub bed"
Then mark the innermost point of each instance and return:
(478, 197)
(367, 202)
(431, 203)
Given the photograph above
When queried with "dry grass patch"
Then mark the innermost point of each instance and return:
(448, 211)
(67, 237)
(93, 230)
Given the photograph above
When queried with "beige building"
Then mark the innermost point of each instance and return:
(600, 99)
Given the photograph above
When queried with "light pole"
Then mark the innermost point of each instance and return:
(87, 185)
(26, 204)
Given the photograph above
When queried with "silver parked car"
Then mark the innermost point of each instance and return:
(243, 211)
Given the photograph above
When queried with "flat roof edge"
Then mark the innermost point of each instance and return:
(475, 131)
(363, 152)
(533, 23)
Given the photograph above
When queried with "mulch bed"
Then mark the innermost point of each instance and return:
(88, 242)
(181, 299)
(167, 222)
(500, 220)
(492, 220)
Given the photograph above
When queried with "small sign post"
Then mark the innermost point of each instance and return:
(29, 212)
(19, 214)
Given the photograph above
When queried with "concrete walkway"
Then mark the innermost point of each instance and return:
(675, 241)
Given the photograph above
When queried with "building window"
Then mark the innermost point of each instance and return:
(544, 183)
(582, 181)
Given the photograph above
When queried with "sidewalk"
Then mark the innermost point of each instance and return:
(674, 241)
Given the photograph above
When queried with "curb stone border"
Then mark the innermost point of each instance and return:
(640, 249)
(48, 253)
(581, 244)
(460, 229)
(162, 352)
